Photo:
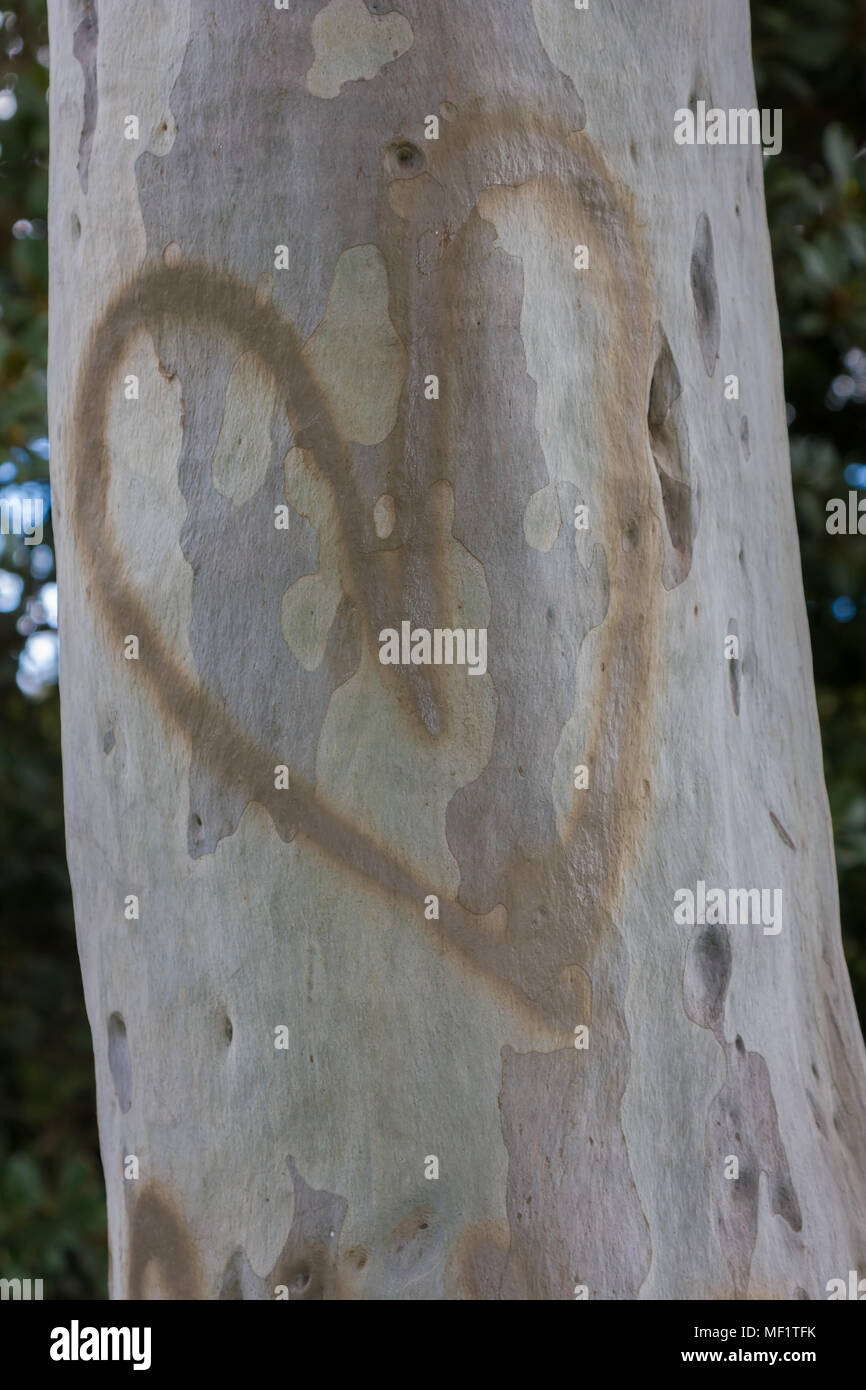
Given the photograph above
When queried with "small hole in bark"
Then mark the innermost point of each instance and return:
(405, 158)
(228, 1030)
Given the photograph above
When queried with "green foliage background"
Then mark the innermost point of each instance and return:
(810, 60)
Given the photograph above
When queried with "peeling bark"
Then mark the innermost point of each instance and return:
(375, 382)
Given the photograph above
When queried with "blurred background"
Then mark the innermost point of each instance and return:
(810, 60)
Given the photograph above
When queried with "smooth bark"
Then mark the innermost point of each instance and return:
(435, 913)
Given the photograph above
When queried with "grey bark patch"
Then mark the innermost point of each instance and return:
(554, 600)
(670, 450)
(848, 1119)
(307, 1264)
(119, 1062)
(233, 1286)
(743, 1121)
(84, 46)
(705, 293)
(569, 1177)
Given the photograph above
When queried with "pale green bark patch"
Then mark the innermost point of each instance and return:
(355, 352)
(350, 43)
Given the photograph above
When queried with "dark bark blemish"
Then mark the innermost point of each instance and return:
(705, 293)
(84, 46)
(734, 665)
(670, 452)
(706, 978)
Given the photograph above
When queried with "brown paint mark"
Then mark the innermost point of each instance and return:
(204, 298)
(480, 1257)
(561, 899)
(161, 1248)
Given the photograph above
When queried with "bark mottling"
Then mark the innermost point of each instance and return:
(559, 386)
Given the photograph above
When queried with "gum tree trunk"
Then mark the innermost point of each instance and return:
(388, 995)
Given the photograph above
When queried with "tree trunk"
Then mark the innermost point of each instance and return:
(389, 999)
